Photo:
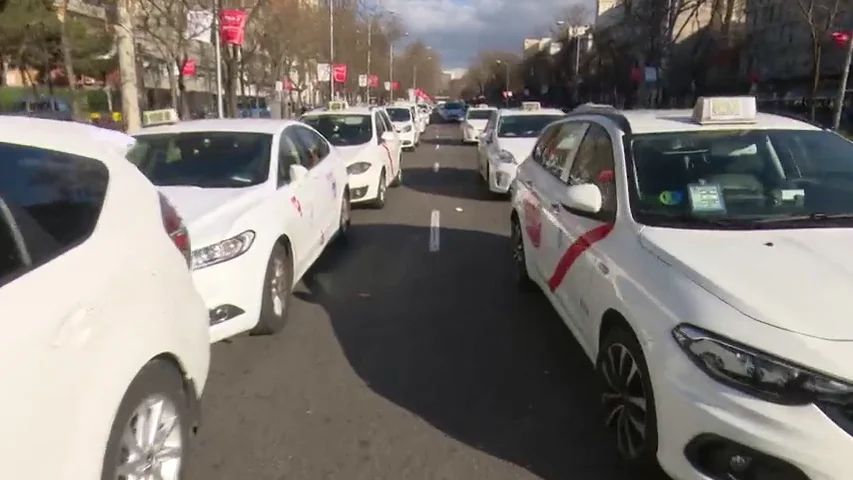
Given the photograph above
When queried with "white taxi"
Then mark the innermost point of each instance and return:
(507, 140)
(701, 260)
(475, 122)
(105, 336)
(365, 138)
(405, 121)
(261, 198)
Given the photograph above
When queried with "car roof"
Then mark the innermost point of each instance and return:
(249, 125)
(663, 121)
(346, 111)
(508, 112)
(62, 136)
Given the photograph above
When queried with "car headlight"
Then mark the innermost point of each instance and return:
(357, 168)
(406, 129)
(757, 373)
(223, 251)
(505, 157)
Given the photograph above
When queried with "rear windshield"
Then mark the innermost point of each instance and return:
(204, 159)
(454, 106)
(342, 130)
(399, 114)
(524, 126)
(49, 201)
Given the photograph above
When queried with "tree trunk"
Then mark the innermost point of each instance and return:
(817, 52)
(231, 72)
(127, 67)
(68, 60)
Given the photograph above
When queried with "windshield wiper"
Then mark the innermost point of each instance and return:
(691, 219)
(815, 217)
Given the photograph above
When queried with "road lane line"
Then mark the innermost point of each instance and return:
(435, 167)
(434, 228)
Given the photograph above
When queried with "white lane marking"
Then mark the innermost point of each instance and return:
(434, 228)
(437, 147)
(435, 167)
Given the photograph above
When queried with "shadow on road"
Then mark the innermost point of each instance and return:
(446, 336)
(449, 182)
(455, 141)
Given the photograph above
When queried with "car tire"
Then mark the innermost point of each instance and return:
(519, 258)
(277, 293)
(398, 179)
(621, 397)
(345, 220)
(161, 383)
(381, 192)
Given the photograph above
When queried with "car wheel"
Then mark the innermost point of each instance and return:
(628, 400)
(519, 259)
(398, 180)
(151, 431)
(381, 191)
(345, 218)
(275, 300)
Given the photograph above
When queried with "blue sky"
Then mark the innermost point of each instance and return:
(458, 29)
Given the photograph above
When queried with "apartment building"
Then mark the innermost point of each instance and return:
(779, 47)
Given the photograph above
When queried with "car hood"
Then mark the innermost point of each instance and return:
(210, 213)
(520, 148)
(352, 154)
(796, 280)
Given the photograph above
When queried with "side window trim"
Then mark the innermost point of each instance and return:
(606, 216)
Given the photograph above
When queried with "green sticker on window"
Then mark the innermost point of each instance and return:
(670, 197)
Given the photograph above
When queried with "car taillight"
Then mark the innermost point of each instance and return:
(175, 228)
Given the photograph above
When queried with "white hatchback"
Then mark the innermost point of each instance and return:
(106, 336)
(262, 200)
(405, 122)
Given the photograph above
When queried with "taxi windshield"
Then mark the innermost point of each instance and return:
(479, 114)
(524, 126)
(203, 159)
(742, 179)
(342, 130)
(399, 114)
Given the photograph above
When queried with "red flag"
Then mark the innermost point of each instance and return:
(636, 74)
(339, 73)
(188, 68)
(373, 80)
(288, 85)
(232, 26)
(840, 38)
(395, 86)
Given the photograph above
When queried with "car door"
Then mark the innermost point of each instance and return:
(297, 196)
(383, 148)
(327, 185)
(486, 138)
(395, 145)
(582, 238)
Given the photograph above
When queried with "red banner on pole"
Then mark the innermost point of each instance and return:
(339, 73)
(232, 27)
(840, 38)
(373, 80)
(188, 68)
(395, 86)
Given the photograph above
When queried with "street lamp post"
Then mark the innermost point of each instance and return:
(331, 50)
(369, 45)
(506, 85)
(391, 67)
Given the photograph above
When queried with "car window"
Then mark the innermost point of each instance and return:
(342, 130)
(54, 200)
(289, 153)
(386, 121)
(771, 176)
(557, 146)
(13, 251)
(315, 146)
(204, 159)
(524, 126)
(479, 114)
(594, 163)
(380, 126)
(399, 114)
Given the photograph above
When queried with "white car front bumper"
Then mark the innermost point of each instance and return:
(695, 414)
(408, 138)
(470, 134)
(233, 290)
(364, 187)
(501, 176)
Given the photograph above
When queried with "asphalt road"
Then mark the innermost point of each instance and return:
(404, 364)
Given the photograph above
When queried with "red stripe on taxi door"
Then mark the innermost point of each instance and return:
(574, 252)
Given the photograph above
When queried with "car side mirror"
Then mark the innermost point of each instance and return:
(584, 198)
(297, 172)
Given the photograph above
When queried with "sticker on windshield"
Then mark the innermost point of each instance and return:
(706, 198)
(670, 197)
(792, 195)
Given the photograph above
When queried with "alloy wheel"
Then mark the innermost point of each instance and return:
(624, 399)
(152, 442)
(278, 286)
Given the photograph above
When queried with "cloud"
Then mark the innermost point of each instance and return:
(458, 29)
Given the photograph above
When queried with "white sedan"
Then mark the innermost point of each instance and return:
(508, 140)
(365, 138)
(106, 337)
(262, 199)
(475, 123)
(701, 260)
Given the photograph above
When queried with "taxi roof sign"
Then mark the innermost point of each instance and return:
(530, 106)
(725, 110)
(166, 116)
(482, 105)
(337, 106)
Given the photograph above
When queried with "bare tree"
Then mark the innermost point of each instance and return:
(820, 18)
